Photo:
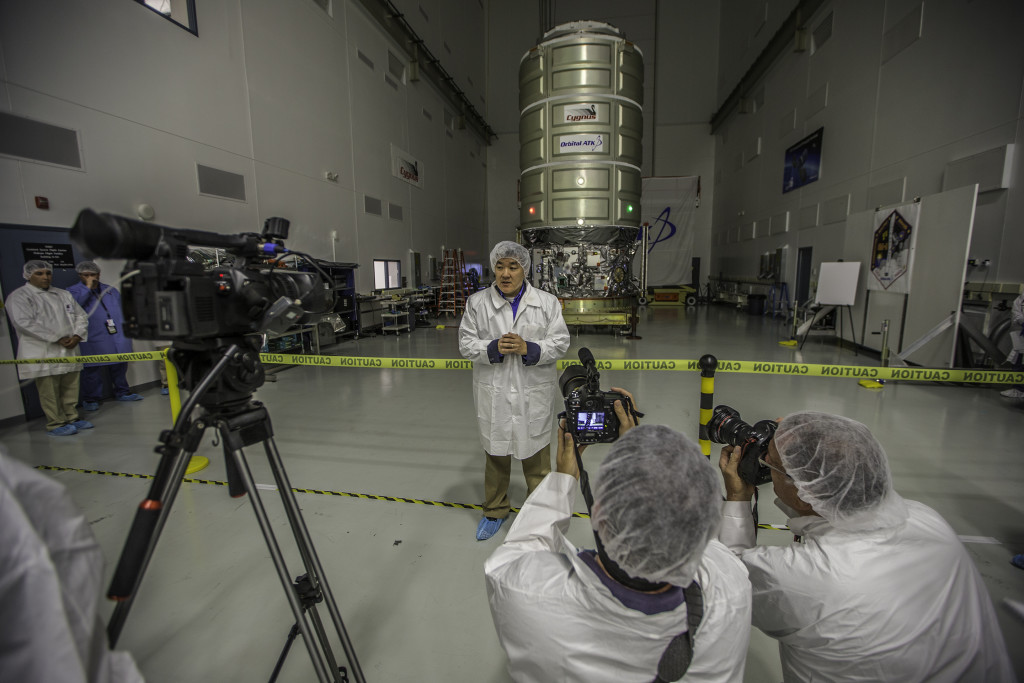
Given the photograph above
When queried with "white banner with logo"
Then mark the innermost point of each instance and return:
(892, 248)
(407, 167)
(668, 207)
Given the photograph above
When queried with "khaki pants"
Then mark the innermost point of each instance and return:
(58, 395)
(497, 473)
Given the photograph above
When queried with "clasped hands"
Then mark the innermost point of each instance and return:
(511, 343)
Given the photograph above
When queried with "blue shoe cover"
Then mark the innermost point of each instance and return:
(129, 397)
(1018, 561)
(63, 430)
(82, 424)
(487, 528)
(165, 391)
(90, 405)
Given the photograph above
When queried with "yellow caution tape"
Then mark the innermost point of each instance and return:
(858, 372)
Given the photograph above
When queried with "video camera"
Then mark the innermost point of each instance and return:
(725, 426)
(169, 296)
(589, 412)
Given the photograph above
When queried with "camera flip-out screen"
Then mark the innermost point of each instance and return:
(590, 422)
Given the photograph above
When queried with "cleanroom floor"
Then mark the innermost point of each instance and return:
(408, 576)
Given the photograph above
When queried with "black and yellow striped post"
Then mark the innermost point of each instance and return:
(707, 364)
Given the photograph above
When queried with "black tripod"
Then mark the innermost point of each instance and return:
(221, 375)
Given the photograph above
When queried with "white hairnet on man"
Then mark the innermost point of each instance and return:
(33, 266)
(566, 614)
(874, 587)
(646, 526)
(840, 469)
(510, 250)
(87, 267)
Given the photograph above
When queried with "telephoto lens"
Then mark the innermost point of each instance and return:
(725, 426)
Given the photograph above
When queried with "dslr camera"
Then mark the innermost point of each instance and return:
(168, 295)
(726, 427)
(589, 412)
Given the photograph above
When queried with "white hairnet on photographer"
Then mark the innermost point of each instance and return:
(657, 503)
(840, 470)
(510, 250)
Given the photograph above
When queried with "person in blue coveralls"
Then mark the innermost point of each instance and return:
(106, 335)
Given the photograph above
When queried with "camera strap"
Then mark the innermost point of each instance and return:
(608, 563)
(676, 658)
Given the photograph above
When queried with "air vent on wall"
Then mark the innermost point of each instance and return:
(372, 205)
(218, 183)
(396, 67)
(390, 81)
(30, 139)
(394, 211)
(822, 32)
(325, 5)
(364, 59)
(427, 115)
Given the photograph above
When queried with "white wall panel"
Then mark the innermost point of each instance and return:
(128, 61)
(298, 89)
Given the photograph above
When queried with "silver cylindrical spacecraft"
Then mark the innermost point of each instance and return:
(581, 147)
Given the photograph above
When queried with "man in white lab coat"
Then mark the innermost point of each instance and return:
(50, 324)
(659, 581)
(514, 334)
(875, 587)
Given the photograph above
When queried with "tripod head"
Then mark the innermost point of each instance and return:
(233, 387)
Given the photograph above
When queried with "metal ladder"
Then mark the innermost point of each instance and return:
(452, 295)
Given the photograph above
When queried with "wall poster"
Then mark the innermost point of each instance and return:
(803, 162)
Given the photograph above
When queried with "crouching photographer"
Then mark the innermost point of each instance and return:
(659, 598)
(874, 587)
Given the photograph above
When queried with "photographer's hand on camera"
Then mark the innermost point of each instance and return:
(735, 487)
(626, 419)
(565, 459)
(512, 343)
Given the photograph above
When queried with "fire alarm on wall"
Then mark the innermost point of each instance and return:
(43, 203)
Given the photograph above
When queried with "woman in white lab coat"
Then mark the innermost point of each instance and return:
(514, 334)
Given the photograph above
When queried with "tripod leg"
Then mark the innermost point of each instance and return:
(282, 570)
(305, 542)
(143, 536)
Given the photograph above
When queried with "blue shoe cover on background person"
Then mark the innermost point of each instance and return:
(63, 430)
(90, 405)
(164, 391)
(1018, 561)
(129, 397)
(82, 424)
(487, 528)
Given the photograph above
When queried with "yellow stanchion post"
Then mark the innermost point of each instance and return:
(197, 462)
(707, 364)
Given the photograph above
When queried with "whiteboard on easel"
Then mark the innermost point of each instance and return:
(837, 283)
